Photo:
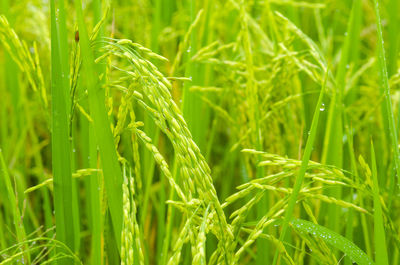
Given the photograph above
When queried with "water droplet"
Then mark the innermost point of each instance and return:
(73, 150)
(189, 49)
(322, 108)
(347, 66)
(345, 33)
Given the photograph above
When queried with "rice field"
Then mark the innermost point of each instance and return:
(165, 132)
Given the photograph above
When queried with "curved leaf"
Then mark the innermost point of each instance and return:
(333, 239)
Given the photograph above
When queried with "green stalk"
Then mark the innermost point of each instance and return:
(393, 29)
(385, 91)
(381, 253)
(92, 187)
(387, 112)
(94, 179)
(60, 142)
(64, 51)
(65, 67)
(303, 168)
(95, 206)
(105, 140)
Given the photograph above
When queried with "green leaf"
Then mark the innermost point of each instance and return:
(333, 239)
(105, 140)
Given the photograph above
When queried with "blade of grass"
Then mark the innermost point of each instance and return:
(355, 44)
(385, 91)
(303, 167)
(381, 253)
(95, 179)
(393, 29)
(105, 140)
(95, 199)
(64, 63)
(61, 159)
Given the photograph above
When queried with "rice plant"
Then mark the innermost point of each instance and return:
(199, 132)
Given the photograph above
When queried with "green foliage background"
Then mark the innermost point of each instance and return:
(199, 132)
